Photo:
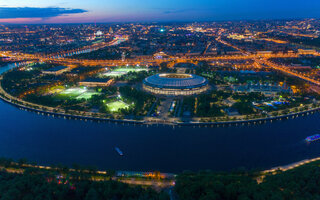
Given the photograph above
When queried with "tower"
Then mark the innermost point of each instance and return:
(123, 56)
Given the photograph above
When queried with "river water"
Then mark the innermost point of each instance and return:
(48, 140)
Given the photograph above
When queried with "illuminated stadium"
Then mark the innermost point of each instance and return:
(175, 84)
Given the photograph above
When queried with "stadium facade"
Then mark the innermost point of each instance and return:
(172, 84)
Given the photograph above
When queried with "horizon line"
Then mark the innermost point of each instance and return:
(165, 21)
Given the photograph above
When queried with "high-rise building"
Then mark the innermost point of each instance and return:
(123, 56)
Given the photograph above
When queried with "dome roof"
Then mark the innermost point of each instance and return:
(175, 81)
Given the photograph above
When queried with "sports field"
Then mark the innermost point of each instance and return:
(73, 92)
(77, 93)
(55, 89)
(117, 105)
(129, 69)
(122, 71)
(87, 95)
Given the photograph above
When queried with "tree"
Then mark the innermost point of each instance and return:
(92, 195)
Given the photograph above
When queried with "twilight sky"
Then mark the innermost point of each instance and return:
(77, 11)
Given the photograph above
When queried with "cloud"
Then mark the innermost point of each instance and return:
(31, 12)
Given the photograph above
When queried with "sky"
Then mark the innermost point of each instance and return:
(101, 11)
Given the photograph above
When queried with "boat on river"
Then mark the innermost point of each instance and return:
(119, 151)
(313, 138)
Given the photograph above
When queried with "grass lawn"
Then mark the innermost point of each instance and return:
(116, 105)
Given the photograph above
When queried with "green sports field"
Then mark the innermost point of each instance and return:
(87, 95)
(129, 69)
(122, 71)
(77, 93)
(55, 89)
(116, 106)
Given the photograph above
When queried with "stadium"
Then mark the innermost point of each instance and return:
(175, 84)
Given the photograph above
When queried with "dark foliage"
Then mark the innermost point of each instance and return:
(300, 183)
(39, 186)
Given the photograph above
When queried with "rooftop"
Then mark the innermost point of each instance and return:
(56, 69)
(175, 81)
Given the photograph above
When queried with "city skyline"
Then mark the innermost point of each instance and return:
(59, 11)
(237, 74)
(159, 100)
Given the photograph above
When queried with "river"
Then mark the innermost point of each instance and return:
(48, 140)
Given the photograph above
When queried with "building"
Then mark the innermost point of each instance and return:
(263, 53)
(175, 84)
(160, 55)
(266, 89)
(307, 51)
(231, 111)
(56, 70)
(95, 82)
(98, 33)
(299, 67)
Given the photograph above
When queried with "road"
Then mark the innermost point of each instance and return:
(264, 60)
(147, 60)
(150, 61)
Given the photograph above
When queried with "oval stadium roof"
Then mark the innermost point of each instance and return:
(175, 81)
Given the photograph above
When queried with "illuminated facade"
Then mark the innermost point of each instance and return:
(56, 70)
(96, 83)
(175, 84)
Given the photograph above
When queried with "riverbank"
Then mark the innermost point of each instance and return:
(150, 121)
(292, 165)
(156, 180)
(87, 116)
(63, 182)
